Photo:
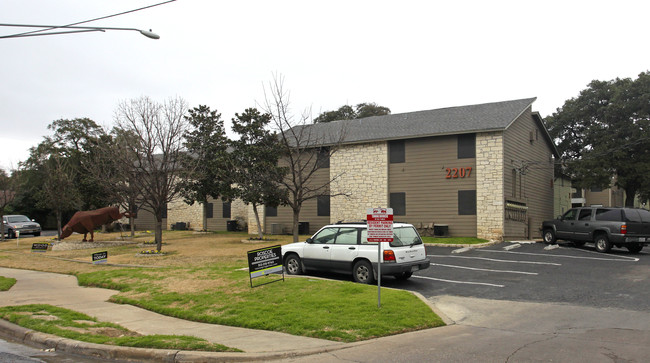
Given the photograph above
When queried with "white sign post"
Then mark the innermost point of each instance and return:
(380, 229)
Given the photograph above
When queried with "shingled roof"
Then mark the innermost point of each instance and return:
(496, 116)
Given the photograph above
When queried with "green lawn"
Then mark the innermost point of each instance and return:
(341, 311)
(6, 283)
(74, 325)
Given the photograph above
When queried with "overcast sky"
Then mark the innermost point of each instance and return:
(405, 55)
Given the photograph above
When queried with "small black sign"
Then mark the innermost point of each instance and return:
(40, 247)
(100, 257)
(265, 261)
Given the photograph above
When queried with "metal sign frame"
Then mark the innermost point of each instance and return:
(265, 261)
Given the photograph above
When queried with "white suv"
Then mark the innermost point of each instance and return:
(344, 247)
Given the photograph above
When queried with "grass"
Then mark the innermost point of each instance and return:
(200, 278)
(454, 240)
(74, 325)
(6, 283)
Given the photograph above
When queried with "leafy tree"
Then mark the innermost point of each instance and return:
(604, 135)
(76, 140)
(346, 112)
(154, 151)
(208, 159)
(7, 195)
(58, 192)
(257, 175)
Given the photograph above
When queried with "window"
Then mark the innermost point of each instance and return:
(585, 215)
(164, 211)
(570, 215)
(398, 203)
(209, 210)
(467, 202)
(346, 236)
(466, 146)
(596, 189)
(323, 205)
(323, 158)
(226, 210)
(328, 235)
(632, 216)
(514, 183)
(603, 214)
(271, 211)
(396, 151)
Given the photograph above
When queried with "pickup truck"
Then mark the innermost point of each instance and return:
(605, 227)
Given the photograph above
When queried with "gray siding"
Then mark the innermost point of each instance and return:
(217, 222)
(147, 221)
(308, 213)
(430, 196)
(534, 185)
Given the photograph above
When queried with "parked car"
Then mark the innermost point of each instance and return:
(22, 224)
(605, 227)
(344, 248)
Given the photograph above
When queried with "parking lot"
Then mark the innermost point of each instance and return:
(531, 273)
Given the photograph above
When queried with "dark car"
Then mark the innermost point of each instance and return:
(21, 224)
(605, 227)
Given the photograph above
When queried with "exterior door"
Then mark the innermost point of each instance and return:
(564, 226)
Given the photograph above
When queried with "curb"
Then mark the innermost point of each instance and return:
(44, 341)
(461, 245)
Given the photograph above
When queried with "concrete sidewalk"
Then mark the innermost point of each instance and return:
(35, 287)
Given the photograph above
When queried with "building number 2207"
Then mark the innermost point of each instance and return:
(454, 173)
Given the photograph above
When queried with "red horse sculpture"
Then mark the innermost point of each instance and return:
(86, 221)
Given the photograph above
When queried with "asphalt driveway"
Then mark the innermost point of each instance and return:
(531, 273)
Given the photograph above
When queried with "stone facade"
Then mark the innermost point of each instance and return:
(489, 186)
(252, 223)
(179, 211)
(361, 173)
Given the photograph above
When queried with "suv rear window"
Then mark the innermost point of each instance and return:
(605, 214)
(402, 236)
(645, 215)
(632, 215)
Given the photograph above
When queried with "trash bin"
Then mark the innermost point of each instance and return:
(303, 227)
(179, 226)
(441, 230)
(231, 225)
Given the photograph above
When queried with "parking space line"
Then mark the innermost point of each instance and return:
(457, 282)
(497, 260)
(485, 269)
(619, 259)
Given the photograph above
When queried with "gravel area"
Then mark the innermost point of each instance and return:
(67, 246)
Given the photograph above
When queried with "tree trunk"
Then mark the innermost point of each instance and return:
(158, 232)
(58, 225)
(630, 193)
(260, 233)
(205, 215)
(296, 218)
(132, 225)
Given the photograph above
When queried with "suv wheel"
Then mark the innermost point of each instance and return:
(602, 243)
(634, 247)
(362, 272)
(549, 236)
(293, 265)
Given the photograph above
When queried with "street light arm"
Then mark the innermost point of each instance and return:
(148, 34)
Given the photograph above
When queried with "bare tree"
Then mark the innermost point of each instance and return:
(154, 152)
(306, 150)
(7, 194)
(111, 166)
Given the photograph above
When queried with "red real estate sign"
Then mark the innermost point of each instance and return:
(380, 224)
